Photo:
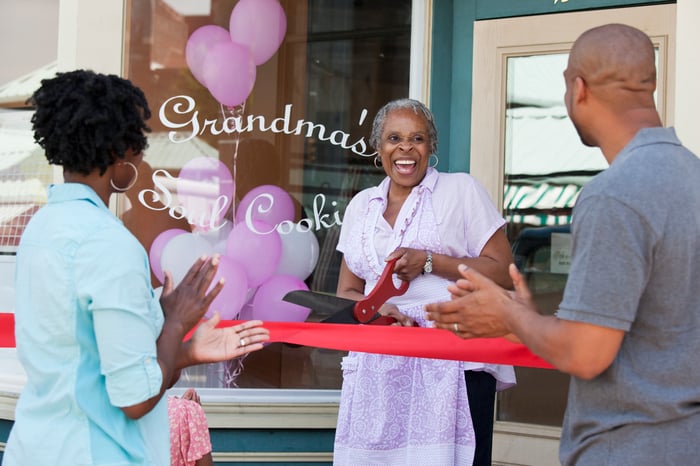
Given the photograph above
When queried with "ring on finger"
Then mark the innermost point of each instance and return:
(243, 342)
(455, 326)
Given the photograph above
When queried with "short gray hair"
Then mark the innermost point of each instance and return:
(403, 104)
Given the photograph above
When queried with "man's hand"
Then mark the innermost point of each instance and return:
(479, 307)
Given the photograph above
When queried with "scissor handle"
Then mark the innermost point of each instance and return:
(366, 309)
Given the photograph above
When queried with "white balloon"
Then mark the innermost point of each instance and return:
(217, 238)
(181, 252)
(220, 247)
(218, 235)
(299, 253)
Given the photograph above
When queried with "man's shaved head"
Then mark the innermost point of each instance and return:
(614, 58)
(610, 84)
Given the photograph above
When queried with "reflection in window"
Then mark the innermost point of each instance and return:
(545, 168)
(24, 176)
(338, 64)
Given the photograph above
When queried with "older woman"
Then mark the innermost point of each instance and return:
(99, 348)
(401, 410)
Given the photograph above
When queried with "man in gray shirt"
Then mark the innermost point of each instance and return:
(628, 327)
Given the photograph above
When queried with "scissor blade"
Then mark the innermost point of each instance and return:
(343, 316)
(322, 303)
(338, 310)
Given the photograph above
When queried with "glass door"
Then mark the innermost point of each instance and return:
(528, 154)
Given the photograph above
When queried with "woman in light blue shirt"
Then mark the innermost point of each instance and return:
(98, 347)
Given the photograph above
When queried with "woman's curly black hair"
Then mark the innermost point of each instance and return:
(86, 120)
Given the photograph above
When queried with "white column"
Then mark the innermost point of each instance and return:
(687, 100)
(90, 35)
(421, 34)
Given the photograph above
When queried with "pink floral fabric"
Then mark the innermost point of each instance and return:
(189, 432)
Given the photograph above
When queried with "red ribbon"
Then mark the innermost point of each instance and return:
(7, 330)
(394, 340)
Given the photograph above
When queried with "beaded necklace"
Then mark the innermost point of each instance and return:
(368, 249)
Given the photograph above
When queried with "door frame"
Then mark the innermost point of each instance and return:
(494, 42)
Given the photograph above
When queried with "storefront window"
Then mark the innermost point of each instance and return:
(291, 154)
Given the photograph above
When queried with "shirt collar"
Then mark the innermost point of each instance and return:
(646, 136)
(381, 191)
(73, 192)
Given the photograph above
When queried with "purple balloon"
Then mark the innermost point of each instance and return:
(205, 191)
(229, 73)
(198, 45)
(267, 203)
(156, 250)
(258, 250)
(268, 304)
(234, 293)
(259, 24)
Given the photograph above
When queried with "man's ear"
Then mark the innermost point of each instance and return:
(580, 93)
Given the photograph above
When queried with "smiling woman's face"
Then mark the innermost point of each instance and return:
(405, 148)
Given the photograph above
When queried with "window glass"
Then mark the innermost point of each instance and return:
(545, 168)
(290, 154)
(24, 176)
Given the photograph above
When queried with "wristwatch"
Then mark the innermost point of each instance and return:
(428, 266)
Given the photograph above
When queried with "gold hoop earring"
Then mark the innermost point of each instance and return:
(433, 165)
(131, 183)
(377, 162)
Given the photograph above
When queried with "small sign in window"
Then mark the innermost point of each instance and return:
(560, 260)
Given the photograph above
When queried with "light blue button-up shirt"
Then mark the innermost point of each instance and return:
(86, 327)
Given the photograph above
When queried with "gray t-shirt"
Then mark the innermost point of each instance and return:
(636, 267)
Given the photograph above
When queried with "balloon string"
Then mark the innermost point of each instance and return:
(230, 372)
(237, 112)
(232, 369)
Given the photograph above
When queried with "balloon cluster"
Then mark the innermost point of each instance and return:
(258, 264)
(225, 61)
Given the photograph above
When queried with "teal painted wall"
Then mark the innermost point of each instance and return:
(253, 440)
(270, 440)
(5, 427)
(451, 84)
(491, 9)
